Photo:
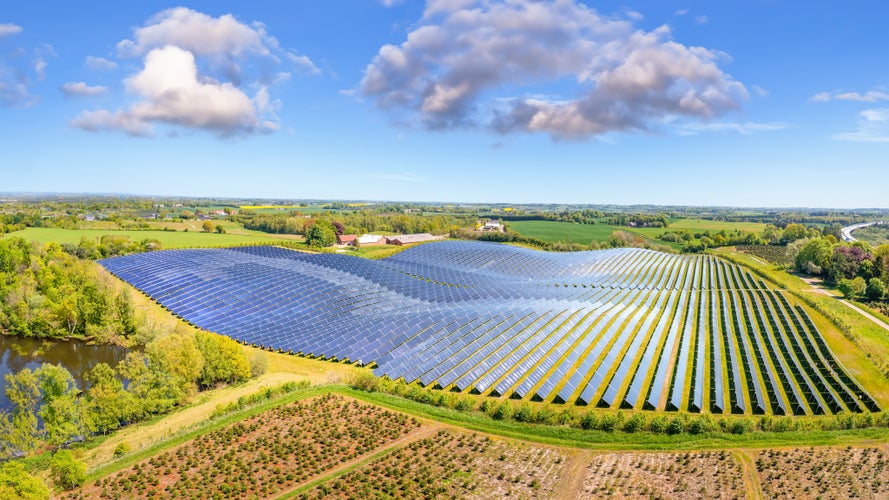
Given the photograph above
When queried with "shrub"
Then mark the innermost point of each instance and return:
(365, 381)
(608, 422)
(503, 411)
(589, 421)
(67, 471)
(524, 414)
(676, 425)
(121, 450)
(635, 423)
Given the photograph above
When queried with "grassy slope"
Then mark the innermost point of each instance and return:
(168, 239)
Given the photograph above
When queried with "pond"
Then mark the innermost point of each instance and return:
(77, 357)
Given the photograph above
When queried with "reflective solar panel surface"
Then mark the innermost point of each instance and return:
(627, 327)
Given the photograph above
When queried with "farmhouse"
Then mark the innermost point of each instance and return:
(346, 239)
(370, 240)
(492, 225)
(408, 239)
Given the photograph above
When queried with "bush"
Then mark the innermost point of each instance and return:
(259, 363)
(658, 424)
(524, 414)
(609, 422)
(121, 450)
(589, 421)
(676, 425)
(67, 471)
(635, 423)
(503, 411)
(741, 426)
(365, 381)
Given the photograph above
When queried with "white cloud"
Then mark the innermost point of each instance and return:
(454, 69)
(390, 3)
(873, 126)
(7, 29)
(761, 92)
(71, 89)
(869, 96)
(200, 72)
(99, 63)
(681, 12)
(702, 19)
(172, 93)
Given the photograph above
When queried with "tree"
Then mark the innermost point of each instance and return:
(177, 355)
(793, 232)
(107, 404)
(207, 227)
(224, 360)
(67, 471)
(23, 392)
(220, 229)
(320, 234)
(59, 404)
(817, 251)
(876, 289)
(16, 483)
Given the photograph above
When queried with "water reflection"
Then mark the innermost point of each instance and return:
(77, 357)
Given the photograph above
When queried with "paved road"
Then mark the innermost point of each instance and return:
(847, 231)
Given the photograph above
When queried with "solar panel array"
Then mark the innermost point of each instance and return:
(627, 328)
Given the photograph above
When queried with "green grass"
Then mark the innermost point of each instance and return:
(563, 231)
(875, 235)
(168, 239)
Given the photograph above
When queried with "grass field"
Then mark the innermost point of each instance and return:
(168, 239)
(875, 235)
(563, 231)
(585, 233)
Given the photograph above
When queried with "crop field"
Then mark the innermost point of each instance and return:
(168, 239)
(563, 231)
(260, 456)
(453, 465)
(824, 472)
(622, 328)
(664, 475)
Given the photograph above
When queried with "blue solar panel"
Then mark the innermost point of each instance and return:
(621, 326)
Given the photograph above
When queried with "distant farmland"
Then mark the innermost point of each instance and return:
(568, 232)
(168, 239)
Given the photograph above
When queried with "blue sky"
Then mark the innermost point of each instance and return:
(743, 103)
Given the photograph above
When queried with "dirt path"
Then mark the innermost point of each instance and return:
(421, 433)
(867, 315)
(751, 478)
(816, 287)
(571, 485)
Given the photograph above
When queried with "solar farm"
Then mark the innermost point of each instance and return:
(620, 328)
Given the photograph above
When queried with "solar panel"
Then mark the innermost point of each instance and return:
(621, 325)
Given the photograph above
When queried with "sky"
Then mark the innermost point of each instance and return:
(753, 103)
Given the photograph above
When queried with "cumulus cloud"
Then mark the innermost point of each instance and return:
(458, 67)
(200, 72)
(7, 29)
(99, 63)
(72, 89)
(172, 93)
(869, 96)
(873, 126)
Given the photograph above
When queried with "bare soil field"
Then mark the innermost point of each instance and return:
(824, 472)
(664, 475)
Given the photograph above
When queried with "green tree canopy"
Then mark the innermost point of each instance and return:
(67, 471)
(320, 234)
(17, 484)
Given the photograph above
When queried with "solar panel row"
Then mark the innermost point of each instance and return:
(629, 328)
